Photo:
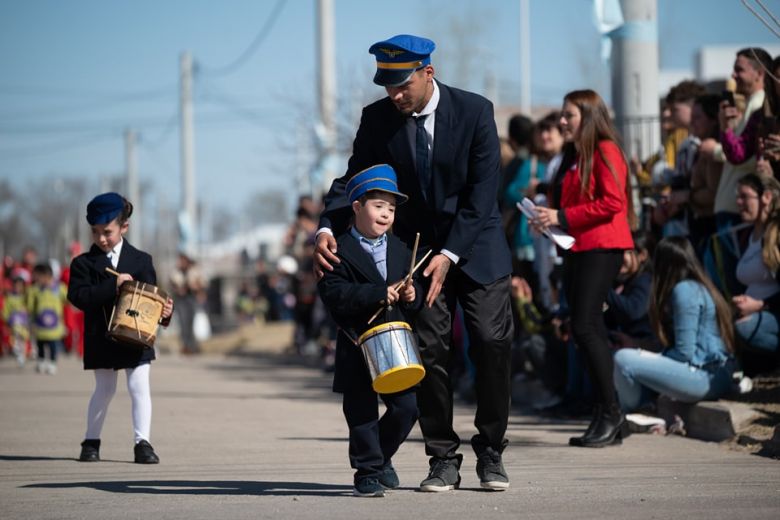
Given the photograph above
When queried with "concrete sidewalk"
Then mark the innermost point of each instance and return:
(252, 436)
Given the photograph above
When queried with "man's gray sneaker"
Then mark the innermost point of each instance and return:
(368, 487)
(389, 478)
(443, 475)
(490, 469)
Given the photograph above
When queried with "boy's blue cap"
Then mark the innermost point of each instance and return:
(104, 208)
(380, 177)
(398, 58)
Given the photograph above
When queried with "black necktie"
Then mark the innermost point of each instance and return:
(421, 150)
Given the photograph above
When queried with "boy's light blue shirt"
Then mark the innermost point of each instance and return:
(377, 248)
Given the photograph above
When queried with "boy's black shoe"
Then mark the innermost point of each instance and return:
(90, 450)
(490, 469)
(368, 487)
(144, 453)
(443, 475)
(389, 478)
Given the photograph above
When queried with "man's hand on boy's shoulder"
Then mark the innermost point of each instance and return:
(324, 253)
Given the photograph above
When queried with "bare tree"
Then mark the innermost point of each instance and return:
(52, 214)
(12, 234)
(265, 207)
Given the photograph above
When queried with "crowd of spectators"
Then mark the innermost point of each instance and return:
(713, 182)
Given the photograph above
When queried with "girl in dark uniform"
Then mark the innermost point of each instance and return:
(93, 290)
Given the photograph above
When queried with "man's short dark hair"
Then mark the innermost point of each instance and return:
(760, 59)
(685, 92)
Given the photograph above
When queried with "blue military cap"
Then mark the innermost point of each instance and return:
(398, 57)
(376, 178)
(104, 208)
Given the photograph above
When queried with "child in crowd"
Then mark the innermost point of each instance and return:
(17, 319)
(45, 301)
(93, 290)
(352, 292)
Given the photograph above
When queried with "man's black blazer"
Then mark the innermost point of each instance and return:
(461, 213)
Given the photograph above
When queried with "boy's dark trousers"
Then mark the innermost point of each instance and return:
(51, 345)
(373, 440)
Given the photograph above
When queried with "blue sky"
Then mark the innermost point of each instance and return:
(76, 73)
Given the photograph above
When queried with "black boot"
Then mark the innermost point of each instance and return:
(609, 430)
(90, 450)
(577, 441)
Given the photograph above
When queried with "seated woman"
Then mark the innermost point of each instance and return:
(758, 199)
(627, 303)
(691, 319)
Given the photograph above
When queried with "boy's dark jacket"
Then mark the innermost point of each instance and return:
(93, 290)
(353, 292)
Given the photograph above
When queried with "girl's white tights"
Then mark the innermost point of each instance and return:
(140, 396)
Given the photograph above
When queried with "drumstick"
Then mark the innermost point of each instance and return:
(414, 257)
(109, 270)
(399, 284)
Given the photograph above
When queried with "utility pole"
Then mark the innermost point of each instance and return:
(133, 190)
(188, 213)
(635, 77)
(525, 57)
(326, 53)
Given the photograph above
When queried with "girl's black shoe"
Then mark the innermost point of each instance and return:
(144, 453)
(90, 450)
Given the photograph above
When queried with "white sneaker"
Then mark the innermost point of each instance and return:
(51, 368)
(40, 367)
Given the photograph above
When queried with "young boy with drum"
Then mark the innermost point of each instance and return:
(372, 262)
(93, 289)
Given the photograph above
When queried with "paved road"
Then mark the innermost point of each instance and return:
(255, 437)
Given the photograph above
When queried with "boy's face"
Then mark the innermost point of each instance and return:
(377, 216)
(42, 279)
(106, 236)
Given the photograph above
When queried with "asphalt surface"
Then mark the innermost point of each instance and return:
(257, 435)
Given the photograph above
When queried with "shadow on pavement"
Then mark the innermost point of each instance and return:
(34, 458)
(206, 487)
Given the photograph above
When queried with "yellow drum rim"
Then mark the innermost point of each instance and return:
(388, 325)
(398, 379)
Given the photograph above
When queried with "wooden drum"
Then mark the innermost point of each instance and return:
(137, 313)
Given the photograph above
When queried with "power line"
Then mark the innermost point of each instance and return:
(55, 146)
(37, 91)
(83, 107)
(264, 31)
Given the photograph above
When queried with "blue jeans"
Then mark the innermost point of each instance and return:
(636, 370)
(759, 331)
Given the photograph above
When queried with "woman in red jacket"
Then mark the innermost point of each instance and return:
(595, 207)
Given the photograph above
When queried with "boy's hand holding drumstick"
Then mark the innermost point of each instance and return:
(121, 278)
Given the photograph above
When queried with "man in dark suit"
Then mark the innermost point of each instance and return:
(443, 145)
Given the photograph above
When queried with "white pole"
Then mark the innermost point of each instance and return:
(525, 57)
(635, 77)
(327, 90)
(133, 190)
(188, 204)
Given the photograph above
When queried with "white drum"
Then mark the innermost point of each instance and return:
(391, 354)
